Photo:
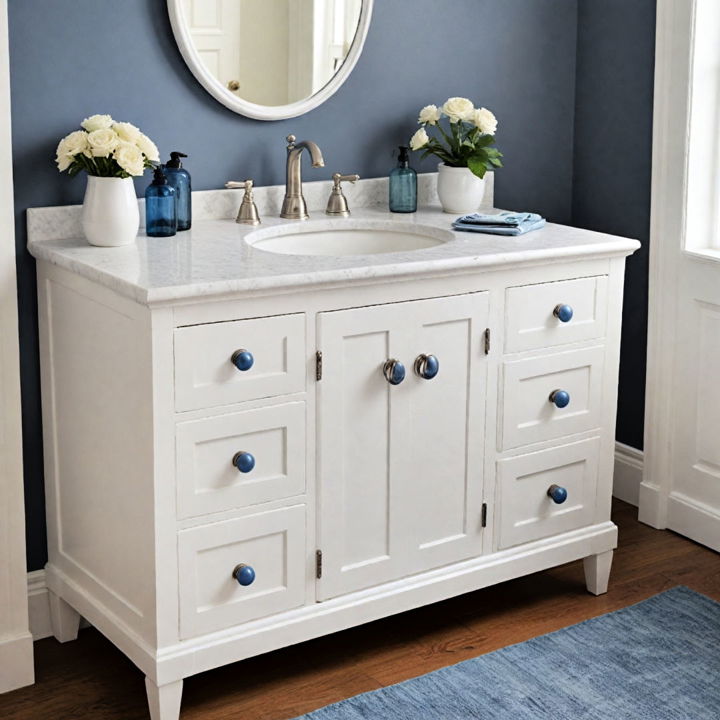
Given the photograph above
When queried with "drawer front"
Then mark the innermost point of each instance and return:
(529, 415)
(272, 438)
(272, 543)
(526, 510)
(205, 375)
(530, 319)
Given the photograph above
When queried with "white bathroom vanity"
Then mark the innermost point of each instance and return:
(235, 464)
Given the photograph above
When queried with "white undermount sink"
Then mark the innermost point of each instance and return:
(347, 237)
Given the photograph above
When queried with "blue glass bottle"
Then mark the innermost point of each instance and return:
(160, 211)
(403, 185)
(179, 179)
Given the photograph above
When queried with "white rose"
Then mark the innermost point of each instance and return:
(148, 148)
(457, 108)
(126, 131)
(70, 146)
(102, 142)
(419, 139)
(485, 121)
(429, 114)
(129, 158)
(97, 122)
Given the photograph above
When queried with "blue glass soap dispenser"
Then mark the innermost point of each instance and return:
(160, 211)
(179, 179)
(403, 185)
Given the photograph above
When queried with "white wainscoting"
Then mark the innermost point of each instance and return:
(626, 487)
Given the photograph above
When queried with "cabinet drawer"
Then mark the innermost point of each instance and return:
(530, 319)
(529, 415)
(205, 375)
(207, 479)
(526, 510)
(272, 543)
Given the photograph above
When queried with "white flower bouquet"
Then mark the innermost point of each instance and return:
(468, 140)
(105, 148)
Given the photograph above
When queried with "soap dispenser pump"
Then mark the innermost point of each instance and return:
(403, 185)
(179, 179)
(160, 209)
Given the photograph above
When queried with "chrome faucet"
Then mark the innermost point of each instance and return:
(294, 206)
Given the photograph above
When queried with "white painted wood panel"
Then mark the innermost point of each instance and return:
(273, 543)
(528, 414)
(530, 322)
(206, 377)
(16, 651)
(525, 510)
(208, 481)
(362, 450)
(98, 440)
(444, 497)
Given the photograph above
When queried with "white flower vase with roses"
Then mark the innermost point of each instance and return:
(465, 147)
(111, 153)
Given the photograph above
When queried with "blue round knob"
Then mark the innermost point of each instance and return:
(242, 359)
(427, 366)
(394, 371)
(560, 398)
(563, 313)
(557, 493)
(244, 462)
(244, 574)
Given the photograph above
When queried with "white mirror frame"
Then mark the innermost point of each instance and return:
(250, 109)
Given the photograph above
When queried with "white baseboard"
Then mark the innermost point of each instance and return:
(628, 473)
(16, 662)
(626, 486)
(38, 605)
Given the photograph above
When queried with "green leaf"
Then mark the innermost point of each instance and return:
(477, 165)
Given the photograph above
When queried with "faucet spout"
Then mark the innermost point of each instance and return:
(294, 206)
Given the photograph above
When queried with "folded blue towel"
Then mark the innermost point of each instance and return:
(507, 223)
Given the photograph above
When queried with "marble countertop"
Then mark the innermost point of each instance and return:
(213, 258)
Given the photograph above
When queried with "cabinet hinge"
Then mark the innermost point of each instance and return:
(318, 564)
(483, 515)
(318, 365)
(487, 341)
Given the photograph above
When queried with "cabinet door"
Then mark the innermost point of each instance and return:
(400, 466)
(362, 449)
(444, 494)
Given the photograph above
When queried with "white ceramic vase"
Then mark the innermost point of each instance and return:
(459, 190)
(110, 216)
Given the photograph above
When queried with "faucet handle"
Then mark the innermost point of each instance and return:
(337, 203)
(291, 141)
(248, 213)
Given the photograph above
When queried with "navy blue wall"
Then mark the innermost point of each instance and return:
(612, 169)
(72, 58)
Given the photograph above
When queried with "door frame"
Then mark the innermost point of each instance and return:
(16, 650)
(671, 177)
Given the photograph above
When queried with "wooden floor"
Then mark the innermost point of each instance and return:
(90, 680)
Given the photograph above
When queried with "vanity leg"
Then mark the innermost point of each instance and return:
(65, 620)
(597, 572)
(164, 700)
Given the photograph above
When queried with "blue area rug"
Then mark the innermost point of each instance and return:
(657, 660)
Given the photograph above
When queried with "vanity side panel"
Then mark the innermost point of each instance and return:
(98, 438)
(606, 469)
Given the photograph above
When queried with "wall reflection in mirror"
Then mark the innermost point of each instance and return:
(272, 52)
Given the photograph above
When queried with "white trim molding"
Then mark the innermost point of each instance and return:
(16, 652)
(683, 273)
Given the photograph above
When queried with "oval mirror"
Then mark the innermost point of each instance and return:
(270, 59)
